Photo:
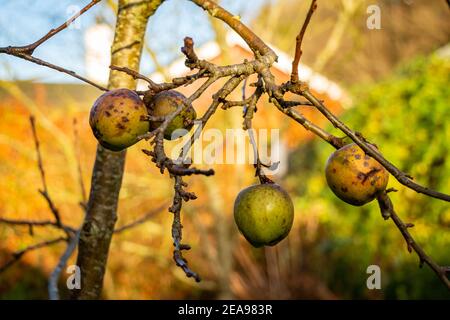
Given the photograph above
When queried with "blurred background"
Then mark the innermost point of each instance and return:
(392, 84)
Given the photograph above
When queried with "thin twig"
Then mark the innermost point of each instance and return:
(255, 43)
(149, 215)
(26, 52)
(135, 75)
(157, 87)
(76, 139)
(308, 125)
(53, 292)
(36, 223)
(54, 67)
(44, 191)
(29, 49)
(249, 110)
(19, 254)
(299, 40)
(387, 211)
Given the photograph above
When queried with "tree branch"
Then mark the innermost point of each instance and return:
(387, 211)
(72, 243)
(19, 254)
(80, 171)
(299, 40)
(255, 43)
(149, 215)
(36, 223)
(402, 177)
(26, 52)
(44, 192)
(180, 196)
(29, 49)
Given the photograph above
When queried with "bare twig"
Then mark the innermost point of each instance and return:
(29, 49)
(44, 191)
(249, 110)
(157, 87)
(298, 42)
(36, 223)
(256, 44)
(70, 232)
(72, 243)
(53, 293)
(135, 75)
(243, 71)
(250, 107)
(51, 66)
(163, 162)
(80, 171)
(19, 254)
(149, 215)
(179, 197)
(26, 52)
(308, 125)
(258, 163)
(387, 210)
(291, 104)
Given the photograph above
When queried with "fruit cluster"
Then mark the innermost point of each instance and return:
(263, 213)
(120, 117)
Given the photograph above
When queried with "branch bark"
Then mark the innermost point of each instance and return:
(255, 43)
(98, 226)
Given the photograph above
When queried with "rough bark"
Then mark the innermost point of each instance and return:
(98, 227)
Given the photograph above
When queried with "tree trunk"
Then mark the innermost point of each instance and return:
(98, 227)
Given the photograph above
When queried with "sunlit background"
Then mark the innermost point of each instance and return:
(392, 84)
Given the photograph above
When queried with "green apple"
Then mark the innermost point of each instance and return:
(264, 214)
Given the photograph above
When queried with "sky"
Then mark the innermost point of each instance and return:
(24, 21)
